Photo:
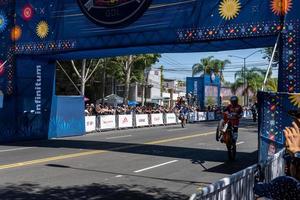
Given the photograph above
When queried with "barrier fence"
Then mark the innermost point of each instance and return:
(109, 122)
(240, 185)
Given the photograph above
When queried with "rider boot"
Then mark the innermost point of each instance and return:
(235, 134)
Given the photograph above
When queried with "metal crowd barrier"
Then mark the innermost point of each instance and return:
(239, 186)
(111, 122)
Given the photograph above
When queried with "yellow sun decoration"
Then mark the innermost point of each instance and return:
(295, 99)
(42, 29)
(229, 9)
(281, 7)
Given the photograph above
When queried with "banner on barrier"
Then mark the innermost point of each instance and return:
(171, 118)
(211, 116)
(196, 117)
(191, 117)
(107, 122)
(90, 123)
(125, 121)
(142, 120)
(157, 119)
(202, 116)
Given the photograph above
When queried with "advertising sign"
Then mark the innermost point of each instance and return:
(90, 123)
(171, 118)
(107, 122)
(142, 120)
(125, 121)
(157, 119)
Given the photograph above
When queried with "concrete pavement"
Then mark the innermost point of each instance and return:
(152, 163)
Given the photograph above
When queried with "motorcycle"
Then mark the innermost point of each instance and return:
(225, 133)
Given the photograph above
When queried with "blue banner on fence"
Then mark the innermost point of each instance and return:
(274, 117)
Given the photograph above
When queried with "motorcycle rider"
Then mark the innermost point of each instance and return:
(235, 113)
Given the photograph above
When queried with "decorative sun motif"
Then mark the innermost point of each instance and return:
(281, 7)
(27, 12)
(3, 22)
(42, 29)
(16, 33)
(229, 9)
(295, 99)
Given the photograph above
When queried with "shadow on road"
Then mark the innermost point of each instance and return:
(195, 155)
(87, 192)
(188, 182)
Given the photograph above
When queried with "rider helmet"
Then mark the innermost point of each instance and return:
(234, 100)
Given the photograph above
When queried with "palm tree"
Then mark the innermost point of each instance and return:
(254, 79)
(209, 65)
(201, 68)
(272, 85)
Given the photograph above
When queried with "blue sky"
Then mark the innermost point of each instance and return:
(183, 62)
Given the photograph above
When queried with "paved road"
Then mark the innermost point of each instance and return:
(151, 163)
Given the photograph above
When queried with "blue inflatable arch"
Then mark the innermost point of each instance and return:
(35, 33)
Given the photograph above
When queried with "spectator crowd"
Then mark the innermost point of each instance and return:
(100, 109)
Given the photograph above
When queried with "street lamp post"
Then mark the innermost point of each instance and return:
(244, 72)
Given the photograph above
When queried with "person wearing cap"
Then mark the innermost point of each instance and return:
(285, 187)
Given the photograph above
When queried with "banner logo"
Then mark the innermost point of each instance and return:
(38, 90)
(116, 13)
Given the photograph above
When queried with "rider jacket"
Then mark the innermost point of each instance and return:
(236, 111)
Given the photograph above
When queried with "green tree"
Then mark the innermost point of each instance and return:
(132, 69)
(210, 65)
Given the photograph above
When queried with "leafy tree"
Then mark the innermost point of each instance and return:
(132, 69)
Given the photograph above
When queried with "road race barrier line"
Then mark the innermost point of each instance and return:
(124, 121)
(240, 185)
(157, 119)
(90, 124)
(108, 122)
(142, 120)
(111, 122)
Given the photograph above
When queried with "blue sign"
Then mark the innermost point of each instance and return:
(113, 13)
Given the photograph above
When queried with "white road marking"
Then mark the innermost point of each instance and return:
(155, 166)
(16, 149)
(177, 129)
(119, 176)
(124, 136)
(241, 142)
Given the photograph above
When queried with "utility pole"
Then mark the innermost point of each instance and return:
(244, 73)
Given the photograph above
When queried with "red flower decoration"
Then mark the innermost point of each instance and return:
(27, 12)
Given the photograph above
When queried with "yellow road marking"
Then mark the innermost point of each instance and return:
(87, 153)
(180, 138)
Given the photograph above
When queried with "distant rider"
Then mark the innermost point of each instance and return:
(184, 110)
